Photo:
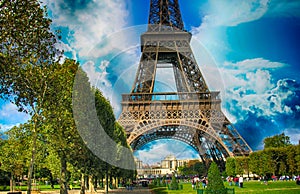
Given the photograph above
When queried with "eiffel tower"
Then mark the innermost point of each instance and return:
(192, 114)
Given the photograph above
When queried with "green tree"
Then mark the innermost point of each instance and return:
(230, 166)
(174, 184)
(60, 130)
(242, 165)
(293, 155)
(215, 183)
(297, 159)
(200, 168)
(277, 141)
(52, 163)
(15, 154)
(27, 49)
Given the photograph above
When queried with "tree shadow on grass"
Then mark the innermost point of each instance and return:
(159, 190)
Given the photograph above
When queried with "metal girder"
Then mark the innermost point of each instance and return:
(173, 48)
(208, 148)
(165, 15)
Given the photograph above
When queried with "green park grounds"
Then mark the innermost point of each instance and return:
(252, 187)
(39, 188)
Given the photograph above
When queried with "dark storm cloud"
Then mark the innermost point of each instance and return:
(255, 126)
(254, 129)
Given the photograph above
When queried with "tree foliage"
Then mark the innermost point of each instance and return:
(192, 168)
(27, 50)
(277, 141)
(13, 154)
(230, 166)
(174, 184)
(242, 165)
(25, 42)
(215, 183)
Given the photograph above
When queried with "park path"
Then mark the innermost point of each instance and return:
(139, 190)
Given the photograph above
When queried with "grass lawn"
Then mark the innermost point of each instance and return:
(286, 187)
(40, 187)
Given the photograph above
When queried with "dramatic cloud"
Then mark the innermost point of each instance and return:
(249, 84)
(259, 105)
(253, 99)
(85, 23)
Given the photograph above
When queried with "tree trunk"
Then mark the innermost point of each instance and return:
(82, 187)
(33, 151)
(106, 178)
(63, 175)
(11, 183)
(91, 184)
(95, 183)
(51, 181)
(86, 182)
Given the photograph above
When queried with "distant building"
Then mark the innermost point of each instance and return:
(138, 163)
(166, 167)
(170, 162)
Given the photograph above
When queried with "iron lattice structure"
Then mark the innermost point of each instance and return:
(192, 114)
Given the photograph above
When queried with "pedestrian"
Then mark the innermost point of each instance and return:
(241, 180)
(204, 183)
(236, 181)
(193, 184)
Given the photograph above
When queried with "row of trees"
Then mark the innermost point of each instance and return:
(278, 158)
(33, 78)
(55, 149)
(193, 167)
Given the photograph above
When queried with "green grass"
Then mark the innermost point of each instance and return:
(251, 187)
(40, 187)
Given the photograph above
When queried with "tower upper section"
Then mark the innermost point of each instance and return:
(165, 16)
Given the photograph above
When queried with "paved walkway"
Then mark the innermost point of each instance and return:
(139, 190)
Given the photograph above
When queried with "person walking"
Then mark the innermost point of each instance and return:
(241, 180)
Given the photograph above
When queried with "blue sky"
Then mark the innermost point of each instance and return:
(248, 50)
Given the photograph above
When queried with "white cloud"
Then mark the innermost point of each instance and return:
(66, 48)
(222, 14)
(257, 63)
(88, 22)
(250, 85)
(10, 114)
(233, 12)
(4, 128)
(158, 150)
(294, 135)
(97, 77)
